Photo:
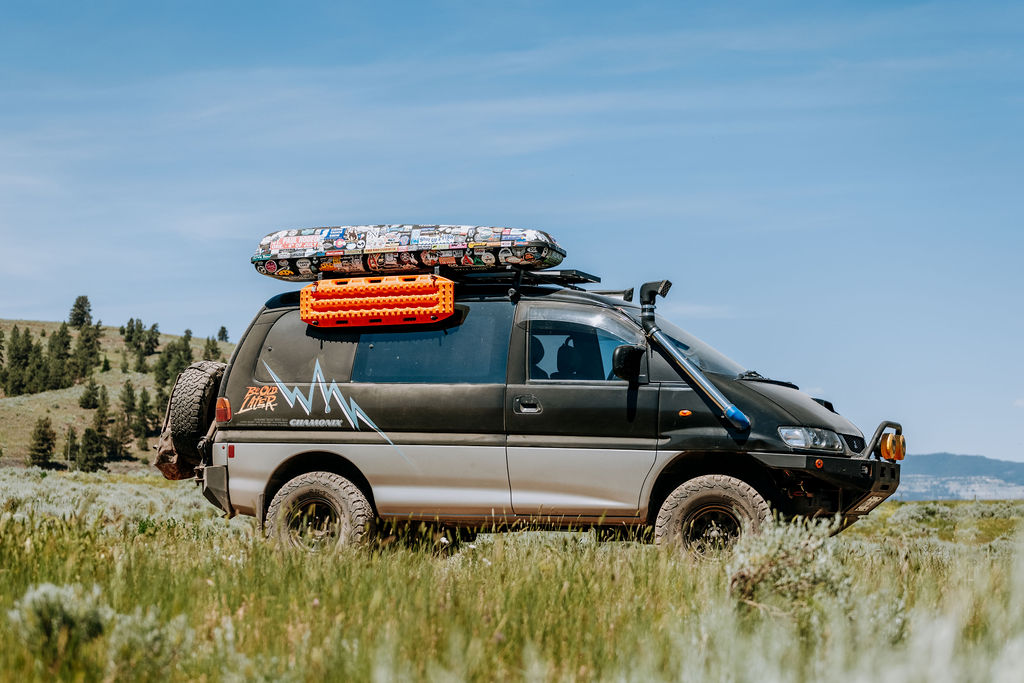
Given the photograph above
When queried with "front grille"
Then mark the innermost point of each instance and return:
(854, 443)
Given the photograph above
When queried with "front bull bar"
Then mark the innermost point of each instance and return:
(872, 445)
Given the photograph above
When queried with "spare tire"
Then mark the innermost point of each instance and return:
(192, 407)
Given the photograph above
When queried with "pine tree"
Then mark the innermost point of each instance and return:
(19, 348)
(1, 347)
(211, 351)
(44, 440)
(35, 373)
(152, 341)
(90, 396)
(106, 365)
(140, 361)
(127, 399)
(120, 438)
(176, 356)
(90, 451)
(70, 445)
(81, 313)
(58, 355)
(144, 416)
(128, 332)
(86, 354)
(222, 334)
(160, 404)
(124, 361)
(102, 415)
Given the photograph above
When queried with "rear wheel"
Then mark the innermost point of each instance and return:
(320, 511)
(708, 514)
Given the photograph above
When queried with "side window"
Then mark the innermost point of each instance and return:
(471, 347)
(575, 343)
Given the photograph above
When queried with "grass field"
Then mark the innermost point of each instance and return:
(123, 577)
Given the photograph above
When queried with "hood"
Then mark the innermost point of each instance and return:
(805, 410)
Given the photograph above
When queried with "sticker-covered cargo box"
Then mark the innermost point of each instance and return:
(350, 251)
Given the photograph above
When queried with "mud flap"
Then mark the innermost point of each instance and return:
(214, 480)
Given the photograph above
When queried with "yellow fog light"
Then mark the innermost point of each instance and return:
(893, 446)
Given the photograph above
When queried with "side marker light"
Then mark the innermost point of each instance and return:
(685, 413)
(819, 463)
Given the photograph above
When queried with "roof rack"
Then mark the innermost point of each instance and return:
(518, 277)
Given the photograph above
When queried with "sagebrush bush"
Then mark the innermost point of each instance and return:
(54, 622)
(141, 646)
(920, 513)
(788, 566)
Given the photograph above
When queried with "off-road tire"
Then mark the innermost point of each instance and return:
(354, 520)
(193, 404)
(734, 502)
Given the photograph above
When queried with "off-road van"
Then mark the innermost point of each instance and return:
(535, 402)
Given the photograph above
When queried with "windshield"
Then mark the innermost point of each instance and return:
(703, 356)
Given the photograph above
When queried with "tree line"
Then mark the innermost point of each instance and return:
(29, 366)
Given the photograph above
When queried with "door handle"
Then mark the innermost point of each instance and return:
(527, 404)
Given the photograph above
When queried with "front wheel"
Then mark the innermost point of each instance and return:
(320, 511)
(709, 513)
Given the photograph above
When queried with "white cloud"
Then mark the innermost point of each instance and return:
(1019, 403)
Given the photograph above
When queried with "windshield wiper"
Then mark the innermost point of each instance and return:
(755, 376)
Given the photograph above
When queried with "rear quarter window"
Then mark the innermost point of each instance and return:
(470, 347)
(292, 349)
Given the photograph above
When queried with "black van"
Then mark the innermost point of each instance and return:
(535, 403)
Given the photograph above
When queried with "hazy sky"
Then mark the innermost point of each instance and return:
(834, 189)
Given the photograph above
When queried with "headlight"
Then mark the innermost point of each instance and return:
(810, 437)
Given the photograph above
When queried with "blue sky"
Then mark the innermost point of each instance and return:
(833, 188)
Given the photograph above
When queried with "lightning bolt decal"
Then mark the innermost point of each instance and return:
(349, 408)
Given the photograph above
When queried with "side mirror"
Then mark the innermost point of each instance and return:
(626, 362)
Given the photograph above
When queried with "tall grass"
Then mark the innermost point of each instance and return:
(96, 591)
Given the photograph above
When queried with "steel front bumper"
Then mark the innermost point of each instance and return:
(862, 484)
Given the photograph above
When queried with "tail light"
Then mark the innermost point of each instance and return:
(223, 410)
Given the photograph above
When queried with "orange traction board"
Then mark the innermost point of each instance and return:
(390, 300)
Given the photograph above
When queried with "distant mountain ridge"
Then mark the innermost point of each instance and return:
(948, 476)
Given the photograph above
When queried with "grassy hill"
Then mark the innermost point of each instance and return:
(18, 414)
